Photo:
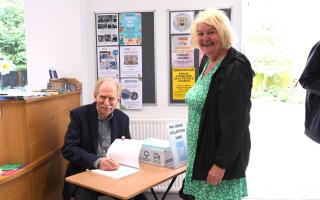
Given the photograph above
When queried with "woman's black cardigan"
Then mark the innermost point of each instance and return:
(224, 137)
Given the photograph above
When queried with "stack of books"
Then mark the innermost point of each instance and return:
(74, 84)
(9, 169)
(65, 84)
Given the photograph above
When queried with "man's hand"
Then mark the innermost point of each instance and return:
(108, 164)
(215, 175)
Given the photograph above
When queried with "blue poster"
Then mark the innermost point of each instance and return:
(130, 29)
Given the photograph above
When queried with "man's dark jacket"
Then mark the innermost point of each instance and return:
(224, 137)
(81, 140)
(310, 80)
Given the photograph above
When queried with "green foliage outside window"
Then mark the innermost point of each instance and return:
(268, 46)
(13, 66)
(12, 33)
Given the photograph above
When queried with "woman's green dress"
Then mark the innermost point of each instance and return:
(227, 189)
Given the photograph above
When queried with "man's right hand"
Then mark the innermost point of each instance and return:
(108, 164)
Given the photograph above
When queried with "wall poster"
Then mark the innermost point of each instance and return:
(130, 29)
(107, 29)
(119, 47)
(131, 96)
(108, 61)
(182, 51)
(131, 61)
(181, 22)
(182, 80)
(182, 61)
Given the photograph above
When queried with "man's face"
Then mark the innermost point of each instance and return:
(106, 99)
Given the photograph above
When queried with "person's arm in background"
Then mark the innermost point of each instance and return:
(310, 78)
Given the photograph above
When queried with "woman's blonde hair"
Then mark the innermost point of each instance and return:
(108, 80)
(219, 21)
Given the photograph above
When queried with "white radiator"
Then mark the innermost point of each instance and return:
(145, 128)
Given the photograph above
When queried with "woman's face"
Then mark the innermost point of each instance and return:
(208, 40)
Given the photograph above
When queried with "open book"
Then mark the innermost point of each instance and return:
(126, 152)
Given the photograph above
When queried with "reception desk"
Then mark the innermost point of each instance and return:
(32, 132)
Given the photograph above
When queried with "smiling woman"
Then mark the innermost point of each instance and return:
(218, 136)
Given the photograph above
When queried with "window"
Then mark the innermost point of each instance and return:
(279, 36)
(13, 67)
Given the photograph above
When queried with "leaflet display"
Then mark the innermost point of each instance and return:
(125, 50)
(184, 59)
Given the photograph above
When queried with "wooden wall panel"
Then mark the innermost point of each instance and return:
(13, 140)
(47, 123)
(32, 132)
(48, 179)
(17, 189)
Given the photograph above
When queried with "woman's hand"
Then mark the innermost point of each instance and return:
(108, 164)
(215, 175)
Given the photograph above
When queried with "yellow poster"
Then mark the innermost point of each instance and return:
(182, 80)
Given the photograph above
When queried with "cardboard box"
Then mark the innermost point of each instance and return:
(156, 152)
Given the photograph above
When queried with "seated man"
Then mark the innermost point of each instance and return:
(91, 131)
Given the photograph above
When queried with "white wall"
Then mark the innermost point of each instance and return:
(55, 32)
(61, 34)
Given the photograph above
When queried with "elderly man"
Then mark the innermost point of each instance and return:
(91, 131)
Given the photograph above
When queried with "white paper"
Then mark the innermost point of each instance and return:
(121, 172)
(126, 152)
